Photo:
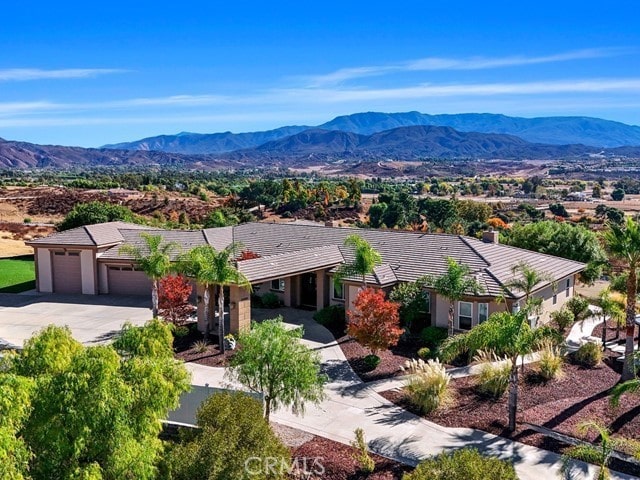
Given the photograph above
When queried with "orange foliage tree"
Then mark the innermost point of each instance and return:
(174, 304)
(497, 223)
(374, 321)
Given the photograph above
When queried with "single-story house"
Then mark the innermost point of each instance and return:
(297, 262)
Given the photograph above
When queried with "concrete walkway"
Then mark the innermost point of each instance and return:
(391, 430)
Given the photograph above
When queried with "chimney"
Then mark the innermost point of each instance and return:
(490, 236)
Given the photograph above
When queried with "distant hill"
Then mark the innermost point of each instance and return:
(552, 130)
(202, 143)
(409, 143)
(22, 155)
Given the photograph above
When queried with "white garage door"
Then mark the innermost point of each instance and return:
(125, 280)
(67, 276)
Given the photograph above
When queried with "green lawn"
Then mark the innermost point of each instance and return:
(17, 274)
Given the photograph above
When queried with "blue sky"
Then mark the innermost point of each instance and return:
(77, 74)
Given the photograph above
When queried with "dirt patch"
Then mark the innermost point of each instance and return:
(51, 204)
(582, 394)
(13, 236)
(337, 462)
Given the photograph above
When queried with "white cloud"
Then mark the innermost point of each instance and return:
(25, 74)
(472, 63)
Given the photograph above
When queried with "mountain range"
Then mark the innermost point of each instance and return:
(377, 136)
(588, 131)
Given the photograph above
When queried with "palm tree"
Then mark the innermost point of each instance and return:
(454, 284)
(610, 308)
(526, 282)
(366, 259)
(630, 386)
(597, 455)
(154, 258)
(507, 335)
(623, 242)
(212, 267)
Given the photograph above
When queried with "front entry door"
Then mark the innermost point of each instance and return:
(308, 288)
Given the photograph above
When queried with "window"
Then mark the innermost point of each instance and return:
(277, 284)
(465, 315)
(427, 297)
(566, 288)
(58, 253)
(337, 290)
(483, 312)
(74, 254)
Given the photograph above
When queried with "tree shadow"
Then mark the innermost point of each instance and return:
(574, 409)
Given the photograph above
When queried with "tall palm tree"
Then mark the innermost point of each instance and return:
(366, 259)
(211, 267)
(507, 335)
(454, 284)
(154, 259)
(526, 279)
(623, 243)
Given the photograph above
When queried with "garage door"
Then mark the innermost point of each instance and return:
(128, 281)
(67, 277)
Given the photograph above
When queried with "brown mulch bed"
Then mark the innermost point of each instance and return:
(582, 394)
(390, 360)
(184, 348)
(337, 462)
(611, 332)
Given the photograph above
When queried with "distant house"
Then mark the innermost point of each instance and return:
(297, 262)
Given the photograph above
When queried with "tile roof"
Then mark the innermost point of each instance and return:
(289, 248)
(184, 240)
(88, 235)
(284, 264)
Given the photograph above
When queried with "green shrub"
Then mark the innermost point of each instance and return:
(551, 360)
(331, 317)
(493, 379)
(579, 306)
(432, 337)
(464, 464)
(428, 388)
(362, 456)
(424, 353)
(589, 354)
(232, 429)
(270, 300)
(563, 319)
(371, 361)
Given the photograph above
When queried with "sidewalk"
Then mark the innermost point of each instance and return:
(392, 431)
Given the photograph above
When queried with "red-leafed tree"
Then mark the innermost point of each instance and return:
(247, 255)
(374, 321)
(174, 304)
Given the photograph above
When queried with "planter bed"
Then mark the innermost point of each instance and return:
(582, 394)
(336, 458)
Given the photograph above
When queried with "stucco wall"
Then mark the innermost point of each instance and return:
(45, 271)
(87, 270)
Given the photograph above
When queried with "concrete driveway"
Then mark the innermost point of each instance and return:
(93, 319)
